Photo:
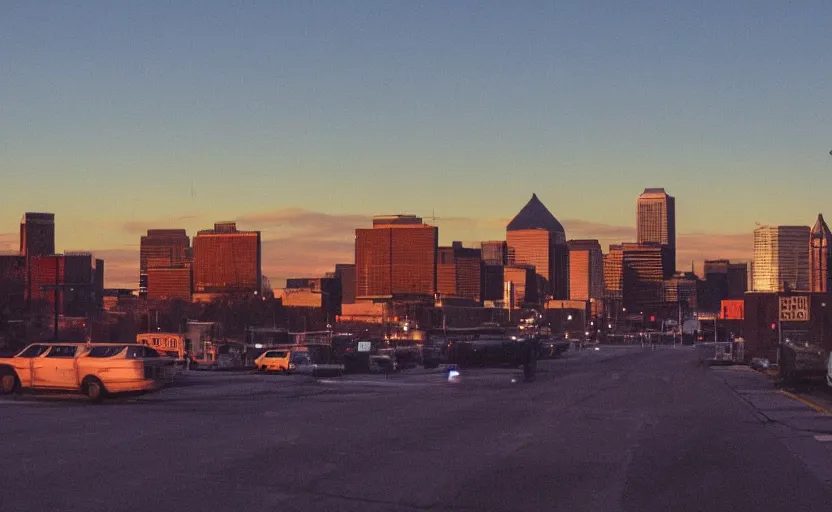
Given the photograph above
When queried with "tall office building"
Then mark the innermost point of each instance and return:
(535, 237)
(37, 234)
(396, 258)
(781, 258)
(614, 272)
(819, 256)
(494, 252)
(520, 285)
(493, 281)
(166, 283)
(714, 286)
(737, 280)
(227, 260)
(586, 270)
(681, 289)
(163, 249)
(459, 272)
(345, 273)
(656, 223)
(643, 267)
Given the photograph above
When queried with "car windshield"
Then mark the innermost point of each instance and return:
(108, 351)
(276, 354)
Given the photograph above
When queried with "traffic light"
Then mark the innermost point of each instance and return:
(652, 318)
(773, 326)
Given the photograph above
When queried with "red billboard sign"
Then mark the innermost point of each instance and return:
(732, 310)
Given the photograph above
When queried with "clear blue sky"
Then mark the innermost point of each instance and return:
(109, 111)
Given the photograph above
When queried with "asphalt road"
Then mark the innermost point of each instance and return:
(624, 429)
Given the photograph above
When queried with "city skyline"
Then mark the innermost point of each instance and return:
(299, 242)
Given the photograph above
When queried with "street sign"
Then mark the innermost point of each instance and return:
(794, 308)
(364, 346)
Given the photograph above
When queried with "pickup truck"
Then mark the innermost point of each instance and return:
(94, 369)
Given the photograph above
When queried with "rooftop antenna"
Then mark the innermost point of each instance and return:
(433, 218)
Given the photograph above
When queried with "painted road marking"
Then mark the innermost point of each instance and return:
(379, 383)
(808, 403)
(824, 438)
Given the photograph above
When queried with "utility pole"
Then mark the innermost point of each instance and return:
(779, 329)
(57, 284)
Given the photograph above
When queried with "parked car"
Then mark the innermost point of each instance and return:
(274, 361)
(96, 370)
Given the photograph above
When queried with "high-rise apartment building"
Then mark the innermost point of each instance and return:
(459, 272)
(781, 258)
(163, 248)
(396, 258)
(227, 260)
(494, 252)
(535, 237)
(586, 270)
(656, 223)
(820, 240)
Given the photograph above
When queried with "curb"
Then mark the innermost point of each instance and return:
(817, 408)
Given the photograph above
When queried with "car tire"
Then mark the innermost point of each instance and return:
(9, 383)
(264, 369)
(94, 389)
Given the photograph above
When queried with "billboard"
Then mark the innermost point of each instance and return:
(732, 310)
(794, 308)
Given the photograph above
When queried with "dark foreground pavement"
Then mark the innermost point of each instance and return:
(619, 429)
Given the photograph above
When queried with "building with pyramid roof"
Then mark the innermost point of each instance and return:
(535, 237)
(820, 240)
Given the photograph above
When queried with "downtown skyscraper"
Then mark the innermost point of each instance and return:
(781, 258)
(535, 237)
(819, 256)
(227, 260)
(656, 223)
(165, 259)
(586, 270)
(37, 234)
(396, 258)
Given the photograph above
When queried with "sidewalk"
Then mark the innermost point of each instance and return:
(793, 410)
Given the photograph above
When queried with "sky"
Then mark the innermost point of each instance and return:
(304, 119)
